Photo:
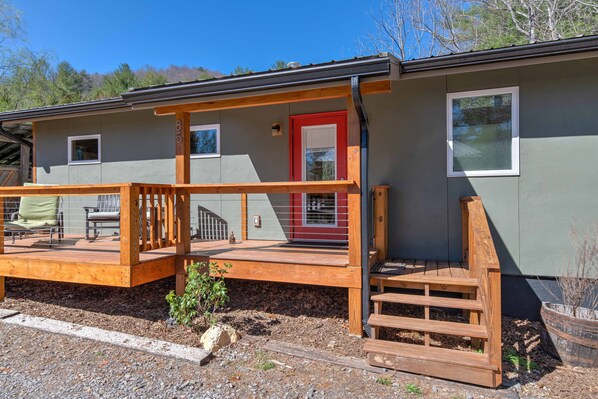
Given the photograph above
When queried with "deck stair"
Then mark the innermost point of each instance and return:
(434, 284)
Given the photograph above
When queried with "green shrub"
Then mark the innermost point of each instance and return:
(413, 389)
(205, 293)
(511, 355)
(384, 381)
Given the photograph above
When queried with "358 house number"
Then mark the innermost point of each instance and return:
(179, 131)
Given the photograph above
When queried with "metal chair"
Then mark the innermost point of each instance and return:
(106, 211)
(35, 214)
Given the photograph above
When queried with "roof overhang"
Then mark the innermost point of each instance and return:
(328, 73)
(575, 48)
(66, 110)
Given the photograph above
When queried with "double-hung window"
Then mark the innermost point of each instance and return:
(483, 132)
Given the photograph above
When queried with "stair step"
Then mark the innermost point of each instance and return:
(429, 353)
(431, 326)
(423, 279)
(454, 303)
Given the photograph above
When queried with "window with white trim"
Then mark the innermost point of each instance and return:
(205, 141)
(84, 149)
(483, 132)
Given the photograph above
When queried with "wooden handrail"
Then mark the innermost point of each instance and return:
(480, 253)
(332, 186)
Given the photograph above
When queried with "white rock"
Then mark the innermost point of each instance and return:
(218, 336)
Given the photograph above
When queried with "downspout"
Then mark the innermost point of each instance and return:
(365, 269)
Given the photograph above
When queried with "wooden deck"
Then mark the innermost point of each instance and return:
(98, 262)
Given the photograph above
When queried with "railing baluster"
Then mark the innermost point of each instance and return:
(244, 216)
(159, 221)
(143, 193)
(152, 227)
(171, 218)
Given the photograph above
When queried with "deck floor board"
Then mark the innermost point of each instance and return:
(106, 250)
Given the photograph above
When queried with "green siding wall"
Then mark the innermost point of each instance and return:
(529, 214)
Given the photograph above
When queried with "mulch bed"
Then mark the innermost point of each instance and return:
(295, 313)
(306, 315)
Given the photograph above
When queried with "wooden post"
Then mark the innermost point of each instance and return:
(244, 216)
(129, 225)
(183, 199)
(381, 221)
(354, 211)
(24, 163)
(2, 292)
(33, 149)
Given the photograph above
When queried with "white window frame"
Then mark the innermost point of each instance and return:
(514, 171)
(304, 131)
(84, 137)
(215, 126)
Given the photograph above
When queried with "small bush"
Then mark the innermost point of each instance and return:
(519, 362)
(205, 293)
(384, 381)
(263, 363)
(413, 389)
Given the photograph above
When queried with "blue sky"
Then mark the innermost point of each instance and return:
(97, 35)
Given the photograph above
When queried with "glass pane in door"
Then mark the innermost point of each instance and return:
(319, 163)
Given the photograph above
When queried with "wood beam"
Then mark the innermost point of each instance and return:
(24, 163)
(324, 275)
(354, 174)
(82, 272)
(182, 197)
(355, 310)
(328, 186)
(324, 93)
(129, 225)
(354, 209)
(34, 150)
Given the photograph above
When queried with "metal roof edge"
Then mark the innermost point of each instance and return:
(534, 50)
(111, 104)
(329, 72)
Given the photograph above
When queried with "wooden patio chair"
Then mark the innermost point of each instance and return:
(107, 210)
(37, 214)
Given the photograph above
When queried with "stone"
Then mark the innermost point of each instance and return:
(219, 336)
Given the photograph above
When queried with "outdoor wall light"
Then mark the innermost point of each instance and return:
(277, 129)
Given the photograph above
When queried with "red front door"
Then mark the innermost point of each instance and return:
(319, 152)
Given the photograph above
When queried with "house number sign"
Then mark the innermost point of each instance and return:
(179, 131)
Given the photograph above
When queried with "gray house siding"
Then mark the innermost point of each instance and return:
(139, 147)
(529, 214)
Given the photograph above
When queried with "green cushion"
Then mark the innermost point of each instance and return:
(36, 212)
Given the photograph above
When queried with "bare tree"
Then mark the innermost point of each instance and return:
(541, 20)
(421, 28)
(418, 28)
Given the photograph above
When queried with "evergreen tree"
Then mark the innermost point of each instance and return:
(118, 82)
(152, 78)
(70, 85)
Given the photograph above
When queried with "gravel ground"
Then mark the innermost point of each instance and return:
(309, 316)
(36, 364)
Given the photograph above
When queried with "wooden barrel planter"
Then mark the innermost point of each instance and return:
(574, 340)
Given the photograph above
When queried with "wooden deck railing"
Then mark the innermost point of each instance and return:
(148, 212)
(479, 252)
